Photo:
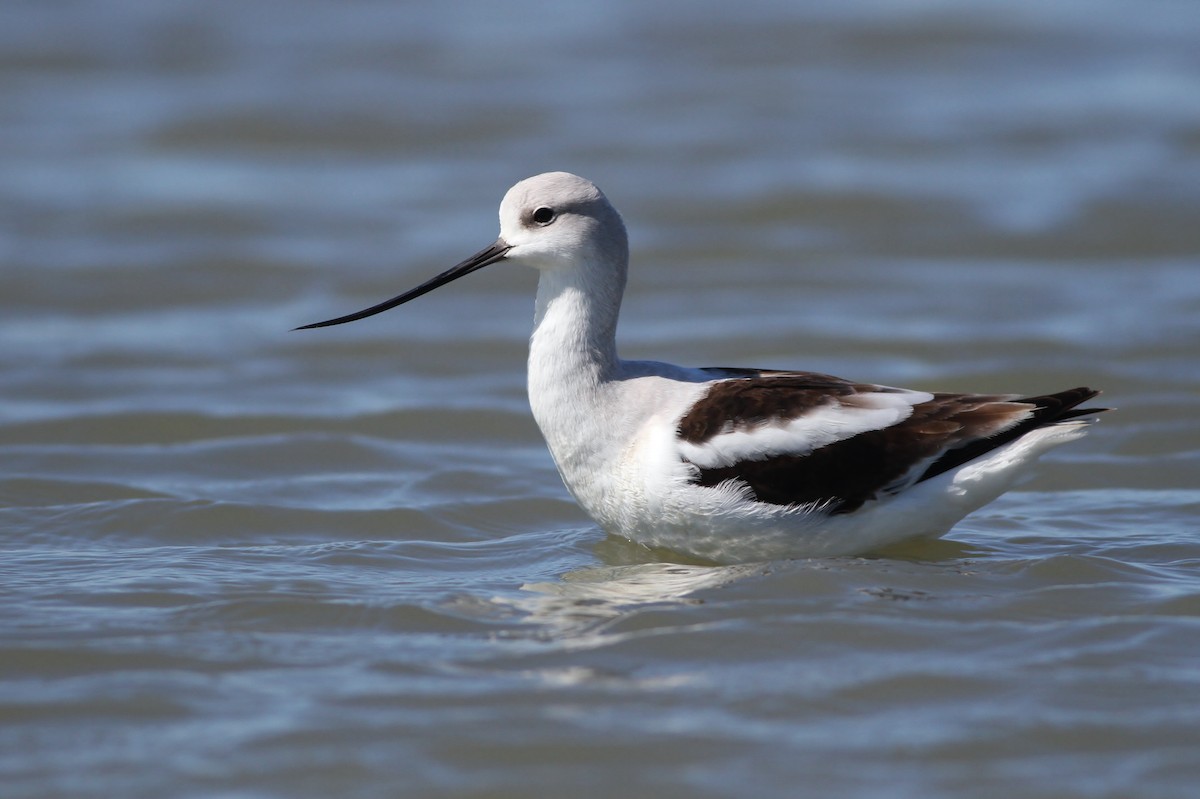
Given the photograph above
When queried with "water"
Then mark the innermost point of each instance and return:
(245, 562)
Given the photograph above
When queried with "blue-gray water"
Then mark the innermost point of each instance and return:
(239, 561)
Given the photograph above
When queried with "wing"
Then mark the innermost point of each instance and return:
(805, 438)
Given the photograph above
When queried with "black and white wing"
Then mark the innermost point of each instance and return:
(801, 438)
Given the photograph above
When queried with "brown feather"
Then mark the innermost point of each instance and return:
(844, 475)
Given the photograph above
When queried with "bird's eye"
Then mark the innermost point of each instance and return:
(543, 215)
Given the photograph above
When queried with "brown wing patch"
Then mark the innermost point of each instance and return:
(1047, 409)
(945, 432)
(752, 400)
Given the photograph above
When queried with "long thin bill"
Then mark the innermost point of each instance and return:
(479, 260)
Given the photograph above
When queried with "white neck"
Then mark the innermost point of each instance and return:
(574, 325)
(572, 358)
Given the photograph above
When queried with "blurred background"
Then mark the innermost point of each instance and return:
(242, 561)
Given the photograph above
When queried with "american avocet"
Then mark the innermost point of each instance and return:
(736, 464)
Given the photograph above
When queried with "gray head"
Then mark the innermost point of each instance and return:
(553, 222)
(558, 220)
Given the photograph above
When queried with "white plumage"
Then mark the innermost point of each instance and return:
(736, 464)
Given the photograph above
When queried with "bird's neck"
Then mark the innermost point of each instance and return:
(572, 361)
(574, 328)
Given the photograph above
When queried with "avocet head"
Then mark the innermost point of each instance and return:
(553, 221)
(557, 219)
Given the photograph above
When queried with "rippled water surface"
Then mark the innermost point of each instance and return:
(239, 561)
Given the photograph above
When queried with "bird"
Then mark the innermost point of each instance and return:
(736, 465)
